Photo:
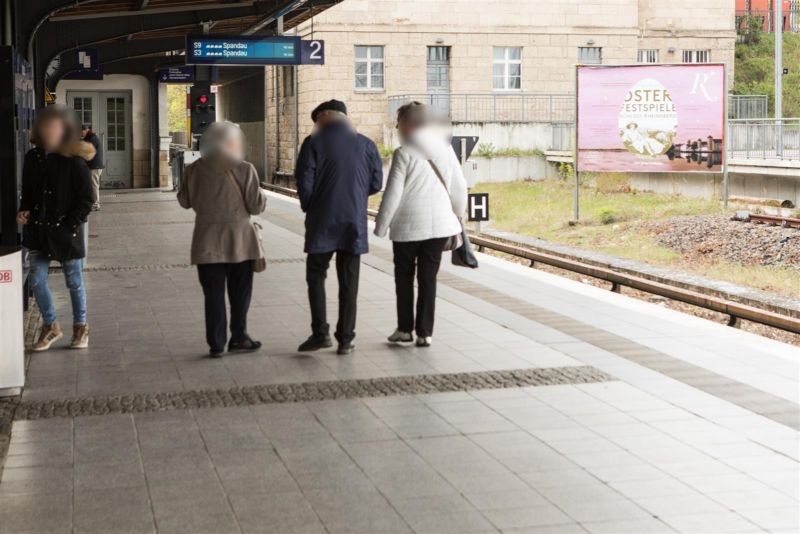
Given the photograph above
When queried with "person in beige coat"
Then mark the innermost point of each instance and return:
(224, 192)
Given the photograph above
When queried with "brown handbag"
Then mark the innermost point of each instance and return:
(260, 264)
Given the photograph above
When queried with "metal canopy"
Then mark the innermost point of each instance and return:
(124, 30)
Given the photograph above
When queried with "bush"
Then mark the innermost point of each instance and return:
(485, 150)
(607, 216)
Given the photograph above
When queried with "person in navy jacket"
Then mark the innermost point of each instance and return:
(336, 170)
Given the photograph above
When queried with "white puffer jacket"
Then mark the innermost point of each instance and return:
(415, 205)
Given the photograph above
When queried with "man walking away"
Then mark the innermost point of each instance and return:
(337, 169)
(97, 164)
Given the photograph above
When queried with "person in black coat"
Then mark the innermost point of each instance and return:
(336, 171)
(56, 198)
(97, 163)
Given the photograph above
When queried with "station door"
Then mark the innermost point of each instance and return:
(109, 113)
(438, 74)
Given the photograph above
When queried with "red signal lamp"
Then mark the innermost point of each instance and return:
(203, 99)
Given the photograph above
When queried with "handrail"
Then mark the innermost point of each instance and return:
(735, 310)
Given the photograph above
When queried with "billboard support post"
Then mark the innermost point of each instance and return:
(576, 209)
(725, 143)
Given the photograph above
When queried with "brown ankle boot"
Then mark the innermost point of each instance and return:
(80, 336)
(50, 334)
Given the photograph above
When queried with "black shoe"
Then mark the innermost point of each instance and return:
(248, 345)
(315, 343)
(215, 353)
(345, 348)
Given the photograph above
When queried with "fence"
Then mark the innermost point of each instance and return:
(747, 106)
(493, 107)
(764, 139)
(535, 107)
(765, 18)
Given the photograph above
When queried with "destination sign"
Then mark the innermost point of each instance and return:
(242, 50)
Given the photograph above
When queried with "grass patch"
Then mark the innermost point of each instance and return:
(543, 209)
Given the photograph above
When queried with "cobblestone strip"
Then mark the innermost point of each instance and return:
(309, 391)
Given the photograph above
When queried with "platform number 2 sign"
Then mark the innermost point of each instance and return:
(312, 52)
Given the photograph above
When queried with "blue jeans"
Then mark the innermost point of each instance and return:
(73, 275)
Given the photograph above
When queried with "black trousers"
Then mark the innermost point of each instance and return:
(348, 267)
(239, 279)
(424, 257)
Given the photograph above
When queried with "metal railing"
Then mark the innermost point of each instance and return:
(535, 107)
(493, 107)
(764, 139)
(748, 106)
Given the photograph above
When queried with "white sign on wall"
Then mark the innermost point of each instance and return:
(12, 342)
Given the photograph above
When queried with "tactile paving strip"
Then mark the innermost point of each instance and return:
(162, 266)
(310, 391)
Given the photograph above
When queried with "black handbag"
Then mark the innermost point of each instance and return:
(462, 254)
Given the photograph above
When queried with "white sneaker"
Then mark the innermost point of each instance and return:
(424, 341)
(401, 337)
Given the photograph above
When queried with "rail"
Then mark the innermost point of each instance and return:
(764, 139)
(734, 310)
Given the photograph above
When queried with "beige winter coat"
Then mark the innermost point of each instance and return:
(223, 232)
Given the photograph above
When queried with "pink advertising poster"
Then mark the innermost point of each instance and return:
(651, 118)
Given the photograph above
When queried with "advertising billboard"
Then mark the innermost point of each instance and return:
(651, 118)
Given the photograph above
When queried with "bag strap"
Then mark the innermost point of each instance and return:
(239, 188)
(446, 190)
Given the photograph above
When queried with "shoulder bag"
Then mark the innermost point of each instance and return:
(260, 264)
(462, 254)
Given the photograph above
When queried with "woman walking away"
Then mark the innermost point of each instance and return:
(424, 192)
(223, 191)
(56, 198)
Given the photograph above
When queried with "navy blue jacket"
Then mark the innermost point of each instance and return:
(336, 170)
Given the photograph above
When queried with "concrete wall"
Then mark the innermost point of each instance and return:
(710, 185)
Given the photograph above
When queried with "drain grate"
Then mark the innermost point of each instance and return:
(309, 391)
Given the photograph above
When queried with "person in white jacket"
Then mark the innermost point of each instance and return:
(425, 197)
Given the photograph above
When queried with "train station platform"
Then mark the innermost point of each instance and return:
(544, 405)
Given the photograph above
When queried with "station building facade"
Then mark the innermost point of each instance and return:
(478, 58)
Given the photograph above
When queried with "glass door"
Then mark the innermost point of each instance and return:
(109, 115)
(438, 74)
(117, 139)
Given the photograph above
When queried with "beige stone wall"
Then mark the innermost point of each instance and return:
(548, 32)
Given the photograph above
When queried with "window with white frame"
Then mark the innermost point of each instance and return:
(590, 55)
(647, 56)
(696, 56)
(507, 68)
(369, 68)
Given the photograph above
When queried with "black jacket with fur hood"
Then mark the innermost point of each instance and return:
(57, 190)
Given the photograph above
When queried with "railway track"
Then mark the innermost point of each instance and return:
(771, 220)
(709, 299)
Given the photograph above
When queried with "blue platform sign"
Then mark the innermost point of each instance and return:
(242, 50)
(181, 74)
